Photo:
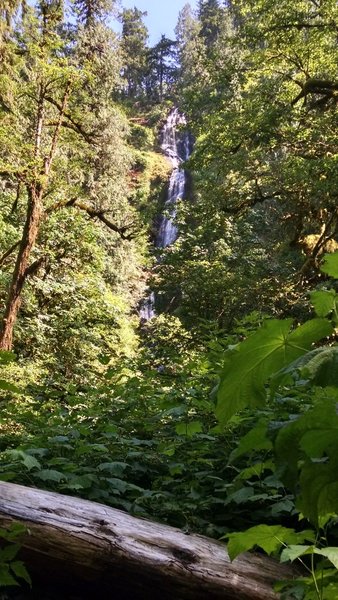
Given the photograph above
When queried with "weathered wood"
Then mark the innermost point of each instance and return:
(121, 556)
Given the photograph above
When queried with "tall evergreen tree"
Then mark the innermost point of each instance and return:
(134, 48)
(162, 69)
(210, 15)
(191, 50)
(91, 11)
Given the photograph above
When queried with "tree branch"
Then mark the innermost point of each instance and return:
(48, 161)
(9, 252)
(316, 86)
(34, 267)
(327, 233)
(77, 127)
(100, 214)
(299, 25)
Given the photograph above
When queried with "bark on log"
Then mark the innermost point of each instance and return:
(119, 556)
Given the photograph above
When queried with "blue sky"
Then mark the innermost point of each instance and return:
(162, 15)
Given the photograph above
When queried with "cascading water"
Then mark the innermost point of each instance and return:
(177, 146)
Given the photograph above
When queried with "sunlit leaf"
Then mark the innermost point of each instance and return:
(268, 537)
(330, 265)
(248, 367)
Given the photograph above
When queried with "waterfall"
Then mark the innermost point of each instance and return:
(177, 146)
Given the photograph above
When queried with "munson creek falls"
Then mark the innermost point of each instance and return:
(168, 300)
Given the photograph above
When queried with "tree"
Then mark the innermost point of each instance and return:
(162, 69)
(191, 52)
(209, 14)
(90, 11)
(134, 48)
(58, 93)
(264, 118)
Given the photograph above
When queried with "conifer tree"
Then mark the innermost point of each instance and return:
(134, 48)
(162, 69)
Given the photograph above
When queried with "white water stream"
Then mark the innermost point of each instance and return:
(176, 145)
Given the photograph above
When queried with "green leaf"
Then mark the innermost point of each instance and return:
(114, 468)
(318, 500)
(321, 367)
(20, 571)
(240, 496)
(9, 552)
(295, 551)
(79, 482)
(50, 475)
(248, 367)
(330, 553)
(330, 265)
(29, 461)
(284, 506)
(311, 434)
(189, 429)
(324, 301)
(104, 359)
(268, 537)
(254, 440)
(8, 476)
(256, 470)
(12, 534)
(5, 576)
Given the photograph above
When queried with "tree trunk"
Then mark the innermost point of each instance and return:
(34, 214)
(30, 232)
(107, 553)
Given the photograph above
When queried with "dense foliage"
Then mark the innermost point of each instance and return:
(218, 415)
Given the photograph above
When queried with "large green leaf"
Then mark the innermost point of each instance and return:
(318, 500)
(295, 551)
(6, 578)
(324, 301)
(331, 553)
(330, 265)
(268, 537)
(248, 367)
(50, 475)
(29, 461)
(311, 435)
(189, 429)
(319, 366)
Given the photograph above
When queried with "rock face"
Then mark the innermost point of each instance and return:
(106, 553)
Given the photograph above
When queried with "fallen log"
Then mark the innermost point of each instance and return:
(111, 554)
